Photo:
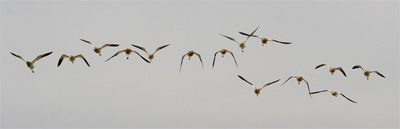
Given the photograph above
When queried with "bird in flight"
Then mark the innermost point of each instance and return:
(150, 55)
(127, 51)
(242, 44)
(30, 63)
(334, 93)
(332, 69)
(223, 52)
(367, 72)
(98, 49)
(299, 79)
(257, 90)
(72, 59)
(190, 54)
(265, 40)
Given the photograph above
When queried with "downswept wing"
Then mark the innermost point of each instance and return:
(348, 98)
(81, 56)
(180, 68)
(200, 59)
(139, 47)
(61, 59)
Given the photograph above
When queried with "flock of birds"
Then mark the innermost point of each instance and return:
(128, 51)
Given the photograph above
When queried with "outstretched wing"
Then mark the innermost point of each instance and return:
(245, 34)
(341, 70)
(115, 55)
(357, 66)
(41, 56)
(270, 83)
(86, 41)
(281, 42)
(214, 58)
(80, 56)
(287, 80)
(182, 62)
(230, 38)
(233, 57)
(109, 45)
(200, 59)
(159, 48)
(244, 79)
(61, 59)
(250, 34)
(142, 57)
(139, 47)
(17, 56)
(378, 73)
(316, 92)
(320, 66)
(348, 98)
(308, 86)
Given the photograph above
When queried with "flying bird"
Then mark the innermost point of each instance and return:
(332, 69)
(265, 40)
(150, 55)
(223, 52)
(30, 63)
(98, 49)
(299, 79)
(334, 93)
(241, 44)
(72, 59)
(190, 54)
(367, 72)
(257, 90)
(127, 51)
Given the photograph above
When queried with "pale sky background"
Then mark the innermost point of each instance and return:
(134, 94)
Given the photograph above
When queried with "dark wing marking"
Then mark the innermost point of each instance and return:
(86, 41)
(115, 55)
(182, 62)
(159, 48)
(320, 66)
(141, 48)
(378, 73)
(316, 92)
(270, 83)
(250, 34)
(109, 45)
(81, 56)
(230, 38)
(245, 34)
(287, 80)
(341, 70)
(357, 66)
(142, 57)
(281, 42)
(233, 58)
(61, 59)
(41, 56)
(308, 86)
(200, 59)
(214, 58)
(348, 98)
(244, 79)
(17, 56)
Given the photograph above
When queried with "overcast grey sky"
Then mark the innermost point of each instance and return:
(133, 94)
